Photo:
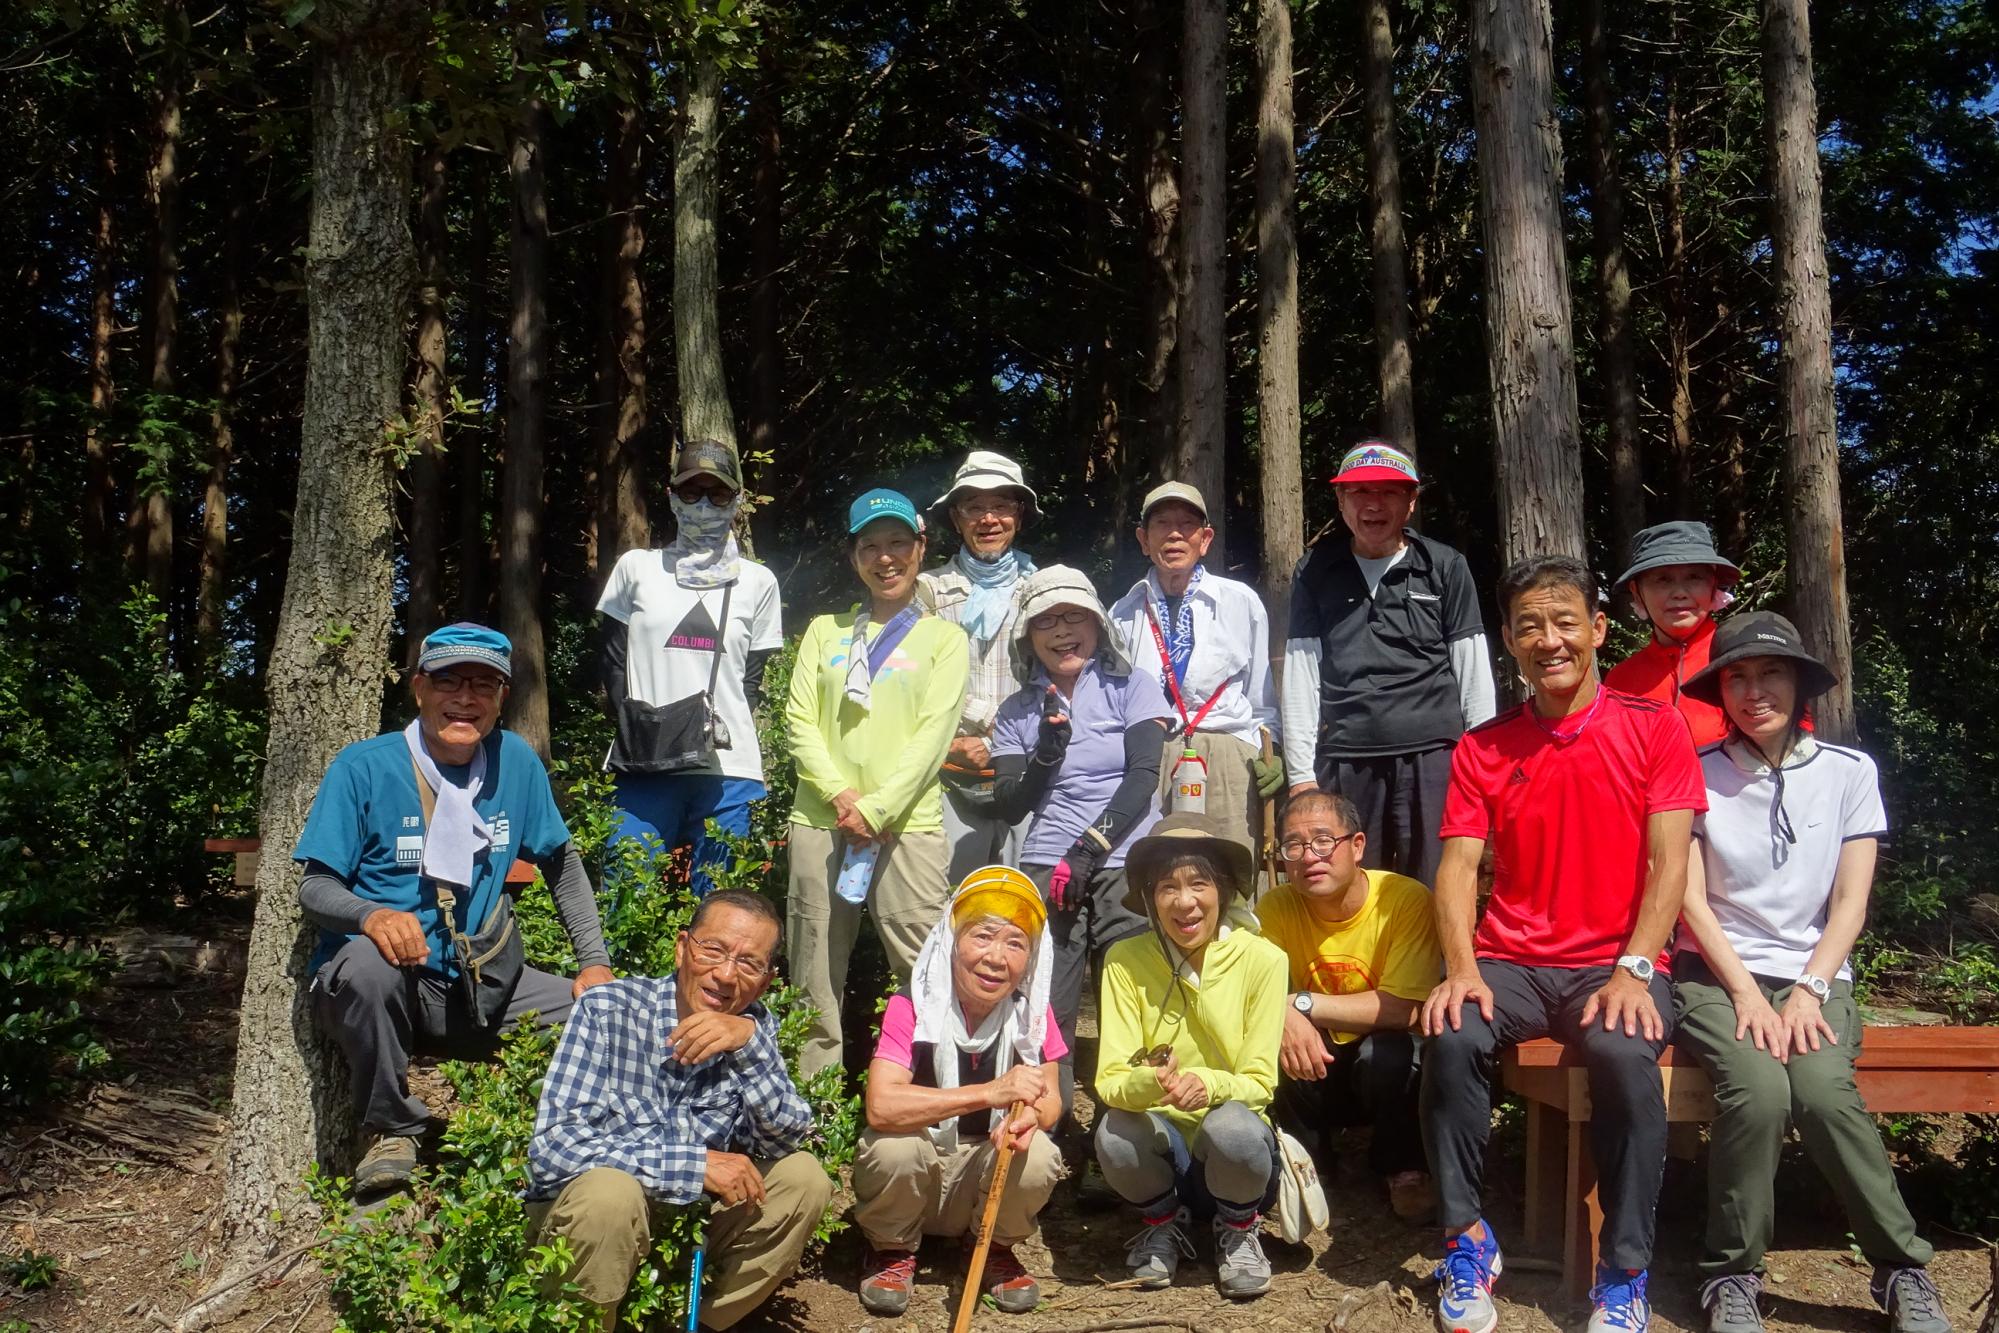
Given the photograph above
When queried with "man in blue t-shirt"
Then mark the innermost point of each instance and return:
(450, 800)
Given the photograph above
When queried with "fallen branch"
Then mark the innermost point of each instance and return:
(212, 1295)
(1109, 1326)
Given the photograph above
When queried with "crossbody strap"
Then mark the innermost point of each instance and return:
(446, 899)
(721, 634)
(1187, 724)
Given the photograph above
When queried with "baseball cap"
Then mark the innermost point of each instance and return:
(883, 503)
(465, 642)
(1172, 490)
(708, 458)
(1376, 461)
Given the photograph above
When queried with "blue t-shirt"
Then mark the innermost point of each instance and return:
(366, 825)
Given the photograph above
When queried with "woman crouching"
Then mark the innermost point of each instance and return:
(1191, 1016)
(972, 1037)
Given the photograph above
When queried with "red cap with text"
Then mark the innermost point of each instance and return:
(1376, 461)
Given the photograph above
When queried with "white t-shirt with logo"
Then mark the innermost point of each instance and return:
(671, 634)
(1769, 894)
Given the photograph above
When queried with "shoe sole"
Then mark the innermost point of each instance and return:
(1244, 1293)
(886, 1311)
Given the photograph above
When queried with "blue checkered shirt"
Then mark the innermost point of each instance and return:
(613, 1097)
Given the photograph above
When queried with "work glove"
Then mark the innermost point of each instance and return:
(1071, 878)
(1269, 774)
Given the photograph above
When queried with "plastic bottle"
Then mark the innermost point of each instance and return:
(1190, 783)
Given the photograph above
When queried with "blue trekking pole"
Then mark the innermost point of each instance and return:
(694, 1290)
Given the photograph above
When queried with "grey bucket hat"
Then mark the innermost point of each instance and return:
(1065, 585)
(1684, 542)
(1759, 634)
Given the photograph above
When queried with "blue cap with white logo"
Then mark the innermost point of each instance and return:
(455, 645)
(883, 503)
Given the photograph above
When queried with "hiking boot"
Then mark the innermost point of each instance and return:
(1012, 1287)
(1241, 1270)
(887, 1276)
(387, 1164)
(1910, 1299)
(1154, 1254)
(1619, 1298)
(1464, 1282)
(1731, 1303)
(1413, 1196)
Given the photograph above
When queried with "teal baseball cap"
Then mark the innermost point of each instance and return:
(456, 645)
(883, 503)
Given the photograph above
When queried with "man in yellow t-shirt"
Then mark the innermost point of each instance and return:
(1363, 954)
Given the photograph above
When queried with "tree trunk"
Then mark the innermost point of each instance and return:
(1620, 376)
(1816, 554)
(697, 323)
(159, 321)
(213, 585)
(1277, 316)
(469, 446)
(1529, 349)
(527, 402)
(1203, 437)
(621, 512)
(97, 496)
(325, 672)
(1679, 338)
(1157, 184)
(766, 257)
(1390, 263)
(430, 402)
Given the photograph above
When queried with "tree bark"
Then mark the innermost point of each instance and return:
(527, 404)
(766, 257)
(621, 512)
(430, 402)
(1394, 362)
(1277, 412)
(1529, 347)
(469, 446)
(1816, 555)
(325, 671)
(705, 413)
(1620, 376)
(160, 317)
(1679, 337)
(97, 496)
(1203, 436)
(213, 586)
(1156, 182)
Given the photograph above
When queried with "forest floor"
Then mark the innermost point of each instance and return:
(135, 1240)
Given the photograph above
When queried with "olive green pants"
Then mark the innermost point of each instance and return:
(1760, 1098)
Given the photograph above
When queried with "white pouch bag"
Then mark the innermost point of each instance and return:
(1301, 1199)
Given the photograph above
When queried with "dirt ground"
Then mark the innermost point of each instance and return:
(136, 1245)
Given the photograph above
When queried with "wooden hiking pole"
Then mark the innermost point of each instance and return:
(1002, 1158)
(1269, 804)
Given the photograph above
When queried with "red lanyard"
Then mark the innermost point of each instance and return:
(1187, 724)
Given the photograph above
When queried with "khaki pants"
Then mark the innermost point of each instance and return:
(605, 1217)
(1232, 799)
(908, 895)
(905, 1189)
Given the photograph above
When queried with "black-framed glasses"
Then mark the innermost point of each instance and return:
(450, 682)
(1294, 849)
(712, 489)
(1072, 617)
(1000, 508)
(713, 953)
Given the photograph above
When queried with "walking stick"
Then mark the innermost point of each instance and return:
(1269, 804)
(1001, 1159)
(694, 1289)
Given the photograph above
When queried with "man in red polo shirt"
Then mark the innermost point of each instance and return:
(1588, 797)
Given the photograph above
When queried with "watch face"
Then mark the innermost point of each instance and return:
(1302, 1002)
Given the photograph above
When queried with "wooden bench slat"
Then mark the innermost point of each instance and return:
(1880, 1048)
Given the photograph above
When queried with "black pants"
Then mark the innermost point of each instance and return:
(380, 1013)
(1400, 799)
(1373, 1081)
(1627, 1130)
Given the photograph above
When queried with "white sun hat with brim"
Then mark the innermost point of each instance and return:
(1065, 585)
(984, 470)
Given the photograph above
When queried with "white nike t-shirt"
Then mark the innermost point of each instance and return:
(671, 633)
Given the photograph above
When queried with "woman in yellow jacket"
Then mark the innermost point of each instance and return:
(1191, 1019)
(874, 702)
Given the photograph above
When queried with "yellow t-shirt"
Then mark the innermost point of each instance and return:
(1389, 945)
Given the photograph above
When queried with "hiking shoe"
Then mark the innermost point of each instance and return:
(1413, 1196)
(387, 1164)
(1154, 1254)
(1619, 1298)
(887, 1276)
(1464, 1282)
(1241, 1270)
(1910, 1299)
(1012, 1287)
(1730, 1302)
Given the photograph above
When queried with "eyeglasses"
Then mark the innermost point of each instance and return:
(1293, 849)
(712, 489)
(1050, 619)
(450, 682)
(985, 508)
(711, 953)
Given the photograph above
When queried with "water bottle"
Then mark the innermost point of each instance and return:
(857, 871)
(1190, 784)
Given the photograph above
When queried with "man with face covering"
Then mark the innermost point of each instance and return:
(693, 619)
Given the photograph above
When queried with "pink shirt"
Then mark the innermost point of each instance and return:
(899, 1035)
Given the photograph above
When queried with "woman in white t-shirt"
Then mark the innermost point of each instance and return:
(691, 619)
(1776, 896)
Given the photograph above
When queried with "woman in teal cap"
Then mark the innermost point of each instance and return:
(874, 702)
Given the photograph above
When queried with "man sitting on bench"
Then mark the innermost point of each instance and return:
(1588, 797)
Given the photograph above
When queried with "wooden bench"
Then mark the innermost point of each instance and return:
(1902, 1070)
(249, 851)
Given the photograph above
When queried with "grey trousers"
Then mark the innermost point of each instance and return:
(380, 1014)
(979, 839)
(1150, 1163)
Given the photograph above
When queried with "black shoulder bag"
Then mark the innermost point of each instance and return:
(682, 735)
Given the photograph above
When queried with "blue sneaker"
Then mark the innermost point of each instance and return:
(1619, 1298)
(1464, 1283)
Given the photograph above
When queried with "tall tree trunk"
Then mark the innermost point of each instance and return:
(1156, 182)
(1613, 274)
(1816, 554)
(213, 586)
(1529, 348)
(469, 446)
(705, 413)
(527, 404)
(160, 318)
(1203, 437)
(621, 511)
(325, 691)
(1679, 338)
(1390, 261)
(430, 402)
(97, 495)
(1277, 413)
(766, 256)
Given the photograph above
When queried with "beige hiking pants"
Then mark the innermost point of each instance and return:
(905, 1189)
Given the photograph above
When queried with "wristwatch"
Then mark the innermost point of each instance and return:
(1302, 1002)
(1638, 965)
(1820, 988)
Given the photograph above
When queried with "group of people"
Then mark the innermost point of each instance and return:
(1020, 786)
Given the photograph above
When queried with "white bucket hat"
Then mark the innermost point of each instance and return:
(1064, 585)
(984, 470)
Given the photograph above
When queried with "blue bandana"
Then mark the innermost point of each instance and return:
(992, 588)
(1179, 634)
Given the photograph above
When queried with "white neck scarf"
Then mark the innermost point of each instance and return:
(455, 835)
(1016, 1029)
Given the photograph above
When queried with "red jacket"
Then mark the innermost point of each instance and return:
(1658, 670)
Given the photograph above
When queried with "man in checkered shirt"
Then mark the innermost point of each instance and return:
(666, 1091)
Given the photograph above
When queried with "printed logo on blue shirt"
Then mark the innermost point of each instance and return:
(503, 830)
(409, 851)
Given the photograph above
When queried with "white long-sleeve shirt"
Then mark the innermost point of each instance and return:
(1231, 654)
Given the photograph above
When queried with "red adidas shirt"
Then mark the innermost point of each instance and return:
(1566, 820)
